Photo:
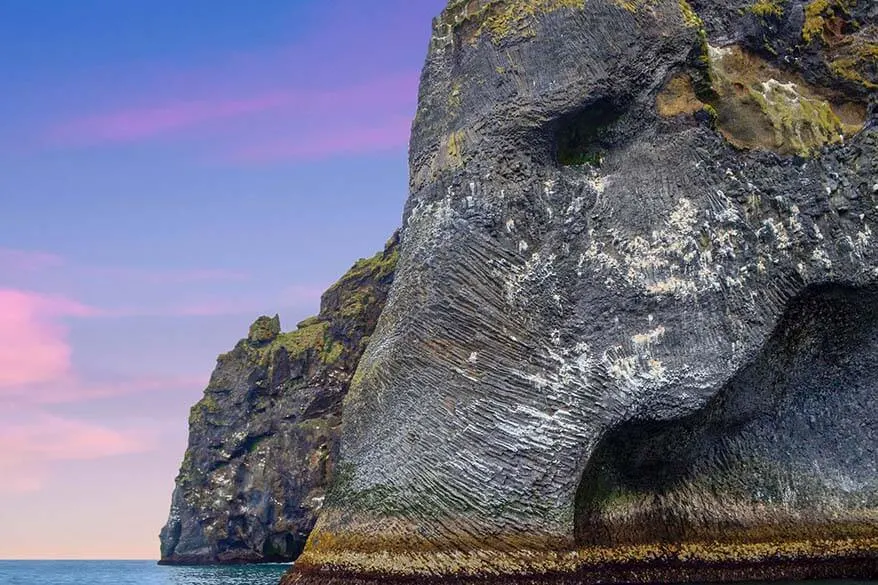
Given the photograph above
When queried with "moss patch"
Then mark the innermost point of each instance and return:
(767, 8)
(451, 150)
(301, 340)
(854, 57)
(690, 17)
(307, 322)
(822, 15)
(761, 107)
(849, 49)
(501, 19)
(264, 329)
(198, 412)
(799, 123)
(378, 266)
(455, 144)
(332, 352)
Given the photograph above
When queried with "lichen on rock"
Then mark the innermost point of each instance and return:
(847, 42)
(759, 106)
(501, 19)
(264, 330)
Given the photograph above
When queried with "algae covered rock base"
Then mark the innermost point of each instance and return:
(632, 333)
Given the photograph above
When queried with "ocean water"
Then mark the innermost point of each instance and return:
(149, 573)
(133, 573)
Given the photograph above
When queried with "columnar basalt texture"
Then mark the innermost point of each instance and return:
(263, 440)
(632, 334)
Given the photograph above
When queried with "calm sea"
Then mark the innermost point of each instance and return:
(133, 573)
(148, 573)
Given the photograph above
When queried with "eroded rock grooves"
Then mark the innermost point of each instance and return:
(632, 334)
(263, 440)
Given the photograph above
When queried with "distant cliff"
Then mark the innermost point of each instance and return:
(262, 441)
(633, 335)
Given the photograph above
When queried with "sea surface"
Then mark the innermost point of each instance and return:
(133, 573)
(149, 573)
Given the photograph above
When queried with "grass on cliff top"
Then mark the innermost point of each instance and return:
(314, 335)
(356, 287)
(502, 19)
(313, 332)
(378, 266)
(302, 339)
(355, 294)
(264, 328)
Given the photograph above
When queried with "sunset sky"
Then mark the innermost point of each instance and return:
(168, 172)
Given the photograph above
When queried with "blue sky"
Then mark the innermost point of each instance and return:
(168, 172)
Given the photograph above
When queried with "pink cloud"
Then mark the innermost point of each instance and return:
(13, 260)
(137, 124)
(35, 354)
(294, 295)
(71, 389)
(393, 133)
(28, 447)
(165, 276)
(33, 342)
(20, 260)
(143, 123)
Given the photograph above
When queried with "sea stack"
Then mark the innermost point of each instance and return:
(633, 333)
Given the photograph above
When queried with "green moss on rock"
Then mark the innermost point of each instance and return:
(818, 13)
(690, 17)
(332, 353)
(758, 106)
(311, 337)
(767, 8)
(307, 322)
(798, 122)
(264, 329)
(501, 19)
(852, 57)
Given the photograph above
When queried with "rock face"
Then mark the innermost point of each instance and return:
(263, 440)
(633, 333)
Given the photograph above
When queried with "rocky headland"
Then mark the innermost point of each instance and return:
(633, 330)
(263, 440)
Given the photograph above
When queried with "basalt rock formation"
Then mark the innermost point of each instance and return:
(262, 441)
(633, 333)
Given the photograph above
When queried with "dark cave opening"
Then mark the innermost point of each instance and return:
(794, 429)
(580, 136)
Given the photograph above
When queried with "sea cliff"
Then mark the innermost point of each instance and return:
(633, 331)
(263, 439)
(631, 336)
